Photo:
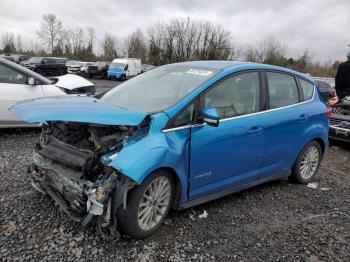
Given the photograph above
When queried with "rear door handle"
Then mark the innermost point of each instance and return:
(303, 117)
(255, 130)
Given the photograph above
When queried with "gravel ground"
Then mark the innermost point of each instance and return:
(277, 221)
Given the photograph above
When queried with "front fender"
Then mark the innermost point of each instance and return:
(138, 160)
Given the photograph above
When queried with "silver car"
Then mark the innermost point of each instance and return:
(18, 83)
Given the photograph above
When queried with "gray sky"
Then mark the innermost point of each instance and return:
(322, 26)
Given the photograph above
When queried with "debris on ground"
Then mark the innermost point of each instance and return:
(192, 217)
(312, 185)
(203, 215)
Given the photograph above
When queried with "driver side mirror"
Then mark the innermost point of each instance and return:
(31, 81)
(210, 116)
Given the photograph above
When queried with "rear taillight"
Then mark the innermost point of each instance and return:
(329, 112)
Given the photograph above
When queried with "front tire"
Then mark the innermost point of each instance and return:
(147, 205)
(123, 78)
(307, 164)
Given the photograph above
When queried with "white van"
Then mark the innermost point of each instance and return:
(122, 68)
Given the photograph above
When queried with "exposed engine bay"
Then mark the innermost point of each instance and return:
(71, 164)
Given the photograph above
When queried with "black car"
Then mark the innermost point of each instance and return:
(21, 58)
(339, 127)
(99, 68)
(47, 65)
(326, 89)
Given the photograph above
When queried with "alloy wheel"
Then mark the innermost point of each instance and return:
(309, 162)
(154, 203)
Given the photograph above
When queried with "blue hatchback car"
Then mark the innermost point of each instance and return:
(175, 137)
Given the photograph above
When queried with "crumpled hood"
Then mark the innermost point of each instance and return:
(75, 108)
(71, 82)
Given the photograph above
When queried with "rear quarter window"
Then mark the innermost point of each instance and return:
(307, 88)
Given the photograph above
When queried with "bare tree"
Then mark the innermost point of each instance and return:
(19, 44)
(78, 39)
(155, 35)
(51, 31)
(8, 43)
(109, 46)
(267, 51)
(137, 46)
(184, 39)
(90, 36)
(90, 42)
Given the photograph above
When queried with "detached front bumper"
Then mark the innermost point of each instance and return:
(90, 203)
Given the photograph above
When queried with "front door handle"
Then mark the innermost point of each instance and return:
(255, 130)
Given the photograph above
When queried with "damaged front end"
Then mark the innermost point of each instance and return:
(71, 165)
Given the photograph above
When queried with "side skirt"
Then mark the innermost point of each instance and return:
(229, 191)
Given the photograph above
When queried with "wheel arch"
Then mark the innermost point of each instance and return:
(321, 142)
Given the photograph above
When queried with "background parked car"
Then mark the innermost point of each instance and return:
(98, 68)
(73, 67)
(339, 128)
(122, 68)
(10, 58)
(47, 65)
(84, 68)
(19, 83)
(21, 58)
(146, 67)
(326, 89)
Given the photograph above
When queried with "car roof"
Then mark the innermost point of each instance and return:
(213, 64)
(239, 65)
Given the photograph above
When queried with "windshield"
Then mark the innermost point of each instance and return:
(117, 65)
(35, 60)
(159, 88)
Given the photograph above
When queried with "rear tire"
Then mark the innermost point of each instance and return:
(147, 205)
(307, 164)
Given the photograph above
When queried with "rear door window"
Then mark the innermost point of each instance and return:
(283, 90)
(308, 88)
